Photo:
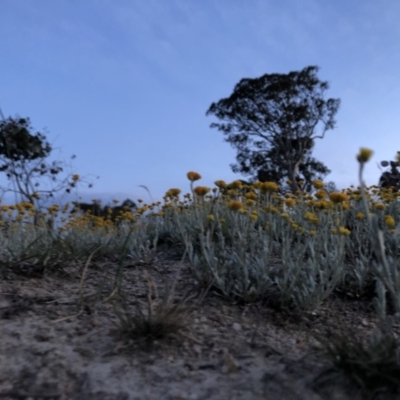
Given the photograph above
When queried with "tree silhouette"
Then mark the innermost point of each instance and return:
(17, 143)
(391, 177)
(271, 121)
(23, 160)
(106, 212)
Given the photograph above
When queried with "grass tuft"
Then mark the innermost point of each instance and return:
(160, 317)
(372, 364)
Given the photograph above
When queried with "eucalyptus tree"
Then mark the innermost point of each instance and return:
(271, 121)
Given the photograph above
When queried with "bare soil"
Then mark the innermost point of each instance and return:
(58, 342)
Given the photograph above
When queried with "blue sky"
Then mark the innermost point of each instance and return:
(125, 85)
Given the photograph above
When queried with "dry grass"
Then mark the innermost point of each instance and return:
(372, 363)
(162, 315)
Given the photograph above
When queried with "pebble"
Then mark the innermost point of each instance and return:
(236, 327)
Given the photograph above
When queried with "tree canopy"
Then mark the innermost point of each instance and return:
(271, 121)
(17, 143)
(23, 159)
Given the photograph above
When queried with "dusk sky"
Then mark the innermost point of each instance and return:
(125, 84)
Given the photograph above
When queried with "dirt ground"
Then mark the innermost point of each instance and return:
(59, 344)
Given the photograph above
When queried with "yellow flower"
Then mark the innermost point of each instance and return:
(320, 194)
(236, 185)
(364, 155)
(360, 215)
(309, 215)
(220, 184)
(344, 231)
(210, 217)
(290, 202)
(338, 197)
(53, 209)
(380, 206)
(341, 231)
(312, 233)
(235, 205)
(250, 202)
(28, 206)
(193, 176)
(321, 204)
(389, 221)
(269, 187)
(318, 184)
(251, 196)
(201, 190)
(173, 192)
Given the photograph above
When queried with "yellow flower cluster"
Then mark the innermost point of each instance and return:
(338, 197)
(193, 176)
(364, 155)
(201, 190)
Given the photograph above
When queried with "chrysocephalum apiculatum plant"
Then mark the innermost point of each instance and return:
(376, 365)
(304, 230)
(241, 267)
(300, 224)
(386, 267)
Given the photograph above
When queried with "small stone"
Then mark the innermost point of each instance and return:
(236, 327)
